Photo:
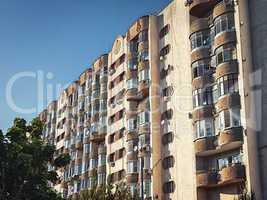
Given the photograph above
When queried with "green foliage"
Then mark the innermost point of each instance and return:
(108, 192)
(24, 158)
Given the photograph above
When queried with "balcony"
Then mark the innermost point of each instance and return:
(224, 37)
(97, 137)
(226, 68)
(200, 53)
(143, 88)
(222, 8)
(229, 139)
(206, 179)
(132, 178)
(132, 95)
(199, 8)
(232, 174)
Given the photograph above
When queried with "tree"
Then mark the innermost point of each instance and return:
(107, 191)
(24, 158)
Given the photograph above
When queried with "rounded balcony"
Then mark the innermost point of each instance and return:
(199, 8)
(228, 101)
(130, 74)
(226, 68)
(132, 177)
(232, 174)
(200, 53)
(103, 79)
(202, 113)
(199, 24)
(143, 88)
(202, 81)
(206, 179)
(222, 8)
(131, 135)
(204, 146)
(224, 38)
(144, 128)
(132, 95)
(97, 137)
(231, 138)
(132, 155)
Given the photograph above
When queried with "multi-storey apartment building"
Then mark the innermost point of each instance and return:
(173, 109)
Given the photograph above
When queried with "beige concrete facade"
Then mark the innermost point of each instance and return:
(174, 107)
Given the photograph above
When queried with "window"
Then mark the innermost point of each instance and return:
(225, 54)
(143, 36)
(204, 128)
(86, 148)
(103, 105)
(103, 121)
(147, 188)
(94, 127)
(202, 97)
(168, 162)
(224, 23)
(93, 163)
(229, 160)
(164, 31)
(132, 83)
(121, 153)
(144, 140)
(143, 118)
(132, 63)
(168, 91)
(101, 159)
(214, 93)
(167, 138)
(132, 145)
(227, 84)
(143, 75)
(165, 50)
(133, 189)
(229, 118)
(200, 39)
(169, 187)
(133, 46)
(200, 68)
(101, 178)
(143, 56)
(95, 94)
(132, 166)
(132, 124)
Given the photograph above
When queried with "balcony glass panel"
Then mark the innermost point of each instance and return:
(132, 83)
(202, 97)
(132, 166)
(224, 23)
(200, 39)
(143, 75)
(204, 128)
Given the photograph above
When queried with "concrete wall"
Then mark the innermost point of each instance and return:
(182, 148)
(258, 28)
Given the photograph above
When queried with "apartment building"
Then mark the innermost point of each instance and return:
(174, 109)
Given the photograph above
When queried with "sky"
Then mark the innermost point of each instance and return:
(49, 43)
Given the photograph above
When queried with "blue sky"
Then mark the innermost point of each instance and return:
(60, 37)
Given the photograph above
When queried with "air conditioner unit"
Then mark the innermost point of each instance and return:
(161, 58)
(112, 164)
(166, 99)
